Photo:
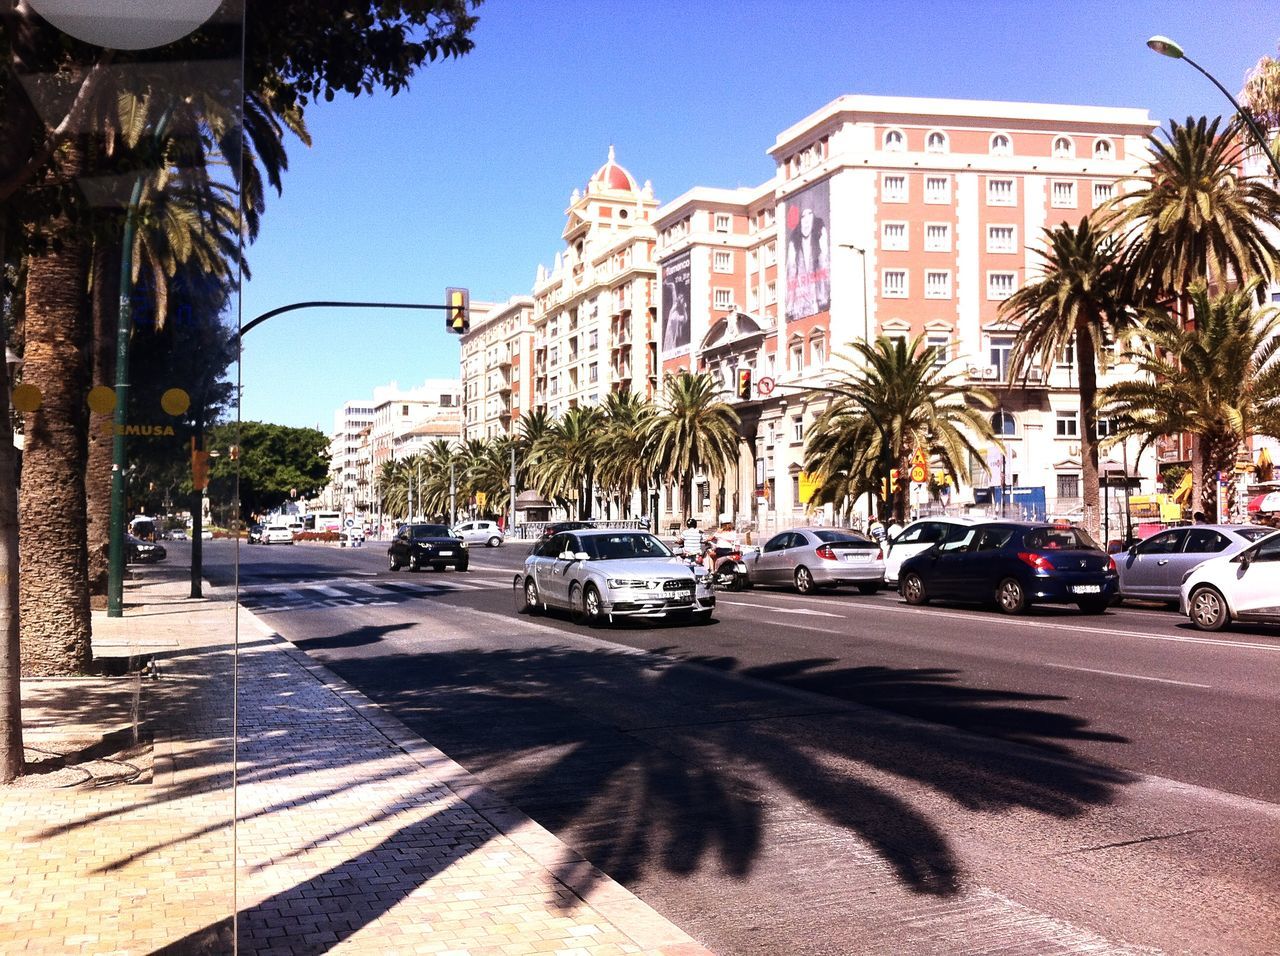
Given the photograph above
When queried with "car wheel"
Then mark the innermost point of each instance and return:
(1094, 605)
(868, 588)
(592, 605)
(913, 591)
(577, 612)
(414, 564)
(463, 566)
(393, 563)
(1011, 597)
(804, 580)
(531, 596)
(494, 541)
(1207, 609)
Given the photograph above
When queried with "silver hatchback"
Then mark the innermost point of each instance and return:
(813, 558)
(479, 532)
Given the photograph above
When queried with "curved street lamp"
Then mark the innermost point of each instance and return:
(1166, 47)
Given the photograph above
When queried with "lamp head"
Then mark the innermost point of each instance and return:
(1166, 47)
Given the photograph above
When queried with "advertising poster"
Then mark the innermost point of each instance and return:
(675, 306)
(808, 252)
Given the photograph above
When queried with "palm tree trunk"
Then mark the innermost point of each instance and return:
(11, 752)
(1089, 432)
(106, 292)
(53, 573)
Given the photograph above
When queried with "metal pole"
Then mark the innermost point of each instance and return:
(453, 492)
(1128, 518)
(511, 505)
(419, 484)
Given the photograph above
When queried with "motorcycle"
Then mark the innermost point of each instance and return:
(729, 570)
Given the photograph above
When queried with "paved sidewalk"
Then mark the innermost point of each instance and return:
(353, 835)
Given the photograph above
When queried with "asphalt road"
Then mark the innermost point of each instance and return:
(840, 773)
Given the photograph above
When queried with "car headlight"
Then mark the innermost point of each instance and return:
(463, 545)
(631, 583)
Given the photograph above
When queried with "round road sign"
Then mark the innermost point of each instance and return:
(919, 475)
(765, 385)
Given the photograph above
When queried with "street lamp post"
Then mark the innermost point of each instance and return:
(866, 311)
(1166, 47)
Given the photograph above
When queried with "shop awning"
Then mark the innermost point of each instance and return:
(1268, 502)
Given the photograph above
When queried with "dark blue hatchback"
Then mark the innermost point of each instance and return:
(1014, 564)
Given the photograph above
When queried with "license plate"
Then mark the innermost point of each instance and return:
(854, 556)
(681, 595)
(1086, 589)
(445, 554)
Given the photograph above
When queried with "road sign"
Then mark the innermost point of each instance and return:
(765, 385)
(351, 522)
(920, 459)
(919, 474)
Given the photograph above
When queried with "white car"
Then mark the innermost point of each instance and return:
(480, 532)
(277, 534)
(1242, 587)
(915, 538)
(351, 538)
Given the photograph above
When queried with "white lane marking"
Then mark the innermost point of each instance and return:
(780, 610)
(1092, 670)
(327, 591)
(881, 604)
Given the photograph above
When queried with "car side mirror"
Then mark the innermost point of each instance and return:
(581, 556)
(565, 556)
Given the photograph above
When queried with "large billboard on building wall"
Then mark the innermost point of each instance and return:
(808, 252)
(675, 306)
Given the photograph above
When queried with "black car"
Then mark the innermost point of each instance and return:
(427, 545)
(558, 526)
(142, 552)
(1014, 565)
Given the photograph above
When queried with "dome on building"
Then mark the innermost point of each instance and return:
(613, 176)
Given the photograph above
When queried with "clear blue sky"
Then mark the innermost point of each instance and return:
(464, 179)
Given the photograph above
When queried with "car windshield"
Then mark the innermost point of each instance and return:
(420, 531)
(619, 547)
(1058, 539)
(832, 535)
(1254, 534)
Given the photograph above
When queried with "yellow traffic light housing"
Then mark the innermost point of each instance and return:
(744, 384)
(458, 313)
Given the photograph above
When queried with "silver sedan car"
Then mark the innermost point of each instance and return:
(599, 575)
(1153, 569)
(813, 558)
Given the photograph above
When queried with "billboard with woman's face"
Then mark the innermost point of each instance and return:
(675, 306)
(808, 289)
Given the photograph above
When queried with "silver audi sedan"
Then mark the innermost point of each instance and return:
(601, 574)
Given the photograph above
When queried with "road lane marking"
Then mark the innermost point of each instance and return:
(1093, 670)
(780, 610)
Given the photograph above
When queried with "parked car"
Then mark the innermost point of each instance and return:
(813, 558)
(177, 534)
(142, 552)
(480, 532)
(255, 534)
(1014, 564)
(600, 575)
(558, 526)
(1154, 569)
(276, 534)
(422, 545)
(206, 534)
(1242, 587)
(917, 537)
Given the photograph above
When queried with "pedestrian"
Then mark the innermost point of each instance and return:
(691, 541)
(877, 532)
(1199, 517)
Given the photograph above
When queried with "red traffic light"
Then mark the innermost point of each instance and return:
(744, 384)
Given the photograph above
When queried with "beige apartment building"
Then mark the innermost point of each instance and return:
(497, 379)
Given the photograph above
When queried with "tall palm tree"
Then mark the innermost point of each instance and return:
(892, 399)
(624, 466)
(1079, 301)
(565, 458)
(1220, 380)
(489, 473)
(1261, 97)
(693, 430)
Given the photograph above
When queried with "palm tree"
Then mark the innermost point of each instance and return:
(1079, 302)
(1261, 97)
(489, 472)
(624, 466)
(1220, 381)
(693, 430)
(565, 458)
(894, 399)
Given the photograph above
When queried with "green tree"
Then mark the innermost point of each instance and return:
(565, 458)
(892, 399)
(1261, 97)
(694, 430)
(274, 460)
(624, 465)
(1220, 380)
(1078, 302)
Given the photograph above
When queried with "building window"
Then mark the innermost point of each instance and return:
(894, 283)
(1001, 145)
(723, 222)
(1004, 425)
(1000, 192)
(1063, 148)
(1102, 192)
(936, 142)
(723, 299)
(593, 341)
(1068, 486)
(1067, 425)
(939, 343)
(817, 351)
(795, 356)
(937, 189)
(1102, 149)
(797, 429)
(1000, 284)
(771, 293)
(1068, 354)
(1001, 350)
(753, 260)
(937, 284)
(770, 254)
(723, 261)
(553, 357)
(1106, 427)
(593, 372)
(893, 235)
(753, 299)
(1064, 194)
(893, 187)
(404, 411)
(937, 237)
(1002, 238)
(894, 141)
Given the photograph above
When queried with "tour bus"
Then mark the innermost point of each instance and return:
(323, 521)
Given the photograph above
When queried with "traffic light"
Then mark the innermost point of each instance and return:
(744, 384)
(458, 314)
(886, 489)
